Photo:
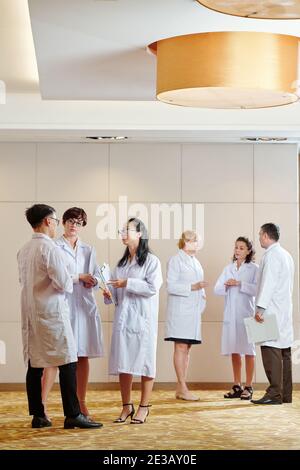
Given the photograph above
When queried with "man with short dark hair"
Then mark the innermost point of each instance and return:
(274, 296)
(47, 334)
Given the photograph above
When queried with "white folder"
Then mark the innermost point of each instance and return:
(105, 275)
(261, 332)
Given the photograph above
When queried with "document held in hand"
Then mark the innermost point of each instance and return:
(261, 332)
(105, 275)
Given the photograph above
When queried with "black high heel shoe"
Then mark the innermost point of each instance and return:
(122, 420)
(140, 421)
(247, 393)
(236, 392)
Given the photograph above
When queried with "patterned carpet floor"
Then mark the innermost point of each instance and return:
(211, 423)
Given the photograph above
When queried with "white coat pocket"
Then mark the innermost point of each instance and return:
(50, 330)
(134, 321)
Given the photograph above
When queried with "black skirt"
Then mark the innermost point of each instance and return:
(184, 340)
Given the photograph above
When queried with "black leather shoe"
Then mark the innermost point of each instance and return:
(287, 400)
(266, 401)
(38, 422)
(81, 421)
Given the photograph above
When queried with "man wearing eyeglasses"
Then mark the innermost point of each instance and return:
(47, 334)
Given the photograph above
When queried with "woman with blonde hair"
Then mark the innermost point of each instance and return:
(186, 303)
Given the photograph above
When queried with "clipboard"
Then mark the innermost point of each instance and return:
(105, 275)
(261, 332)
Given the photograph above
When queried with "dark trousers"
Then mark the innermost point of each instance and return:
(67, 382)
(278, 368)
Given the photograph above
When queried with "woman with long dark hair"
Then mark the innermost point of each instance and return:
(136, 283)
(238, 283)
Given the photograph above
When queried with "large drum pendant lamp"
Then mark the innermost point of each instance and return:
(267, 9)
(227, 69)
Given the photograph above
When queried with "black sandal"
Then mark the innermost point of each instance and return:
(237, 391)
(140, 421)
(122, 420)
(247, 393)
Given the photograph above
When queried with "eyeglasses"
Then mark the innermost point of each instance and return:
(54, 218)
(125, 231)
(75, 222)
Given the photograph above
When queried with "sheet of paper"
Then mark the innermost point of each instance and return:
(261, 332)
(105, 271)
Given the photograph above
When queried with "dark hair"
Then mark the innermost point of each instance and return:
(37, 213)
(143, 249)
(75, 213)
(251, 255)
(272, 230)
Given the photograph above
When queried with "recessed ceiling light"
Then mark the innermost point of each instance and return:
(265, 139)
(107, 137)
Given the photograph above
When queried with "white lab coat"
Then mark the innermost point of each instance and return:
(46, 328)
(85, 317)
(134, 337)
(184, 305)
(275, 290)
(239, 304)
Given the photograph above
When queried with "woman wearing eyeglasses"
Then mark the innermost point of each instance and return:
(136, 283)
(81, 262)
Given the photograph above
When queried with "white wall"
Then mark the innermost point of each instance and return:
(240, 185)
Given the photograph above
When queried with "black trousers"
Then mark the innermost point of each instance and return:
(68, 385)
(278, 368)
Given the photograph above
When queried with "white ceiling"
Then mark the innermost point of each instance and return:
(18, 67)
(96, 49)
(89, 72)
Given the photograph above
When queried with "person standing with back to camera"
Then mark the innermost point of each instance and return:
(80, 260)
(46, 328)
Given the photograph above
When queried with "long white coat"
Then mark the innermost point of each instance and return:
(275, 290)
(85, 317)
(239, 304)
(184, 305)
(46, 328)
(134, 337)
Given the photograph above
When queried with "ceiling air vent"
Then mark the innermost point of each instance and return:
(107, 137)
(265, 139)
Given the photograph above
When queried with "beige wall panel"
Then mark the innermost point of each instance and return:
(17, 172)
(275, 173)
(14, 370)
(148, 171)
(70, 172)
(16, 233)
(217, 172)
